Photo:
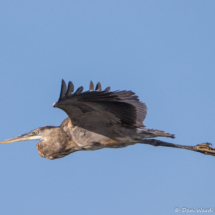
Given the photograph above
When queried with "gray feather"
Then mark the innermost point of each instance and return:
(98, 86)
(91, 87)
(79, 90)
(63, 89)
(70, 89)
(107, 89)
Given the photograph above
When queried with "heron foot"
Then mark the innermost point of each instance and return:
(205, 148)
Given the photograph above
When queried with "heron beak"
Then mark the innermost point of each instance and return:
(22, 137)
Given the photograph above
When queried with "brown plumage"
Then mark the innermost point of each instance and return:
(98, 119)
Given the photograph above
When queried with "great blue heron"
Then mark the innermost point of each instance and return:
(98, 119)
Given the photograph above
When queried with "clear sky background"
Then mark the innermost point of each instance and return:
(162, 50)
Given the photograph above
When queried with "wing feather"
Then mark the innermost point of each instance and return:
(70, 89)
(98, 86)
(91, 87)
(63, 89)
(79, 90)
(102, 106)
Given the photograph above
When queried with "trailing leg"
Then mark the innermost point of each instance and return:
(204, 148)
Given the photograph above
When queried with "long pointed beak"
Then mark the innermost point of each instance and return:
(22, 137)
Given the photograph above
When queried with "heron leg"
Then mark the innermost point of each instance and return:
(204, 148)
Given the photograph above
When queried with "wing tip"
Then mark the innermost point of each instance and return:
(63, 89)
(98, 87)
(91, 87)
(70, 88)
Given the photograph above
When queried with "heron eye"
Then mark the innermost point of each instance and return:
(36, 132)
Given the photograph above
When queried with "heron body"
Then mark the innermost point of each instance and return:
(65, 139)
(97, 119)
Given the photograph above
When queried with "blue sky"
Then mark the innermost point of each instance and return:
(162, 50)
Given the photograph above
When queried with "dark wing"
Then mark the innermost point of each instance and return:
(101, 107)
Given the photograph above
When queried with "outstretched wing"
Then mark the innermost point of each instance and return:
(101, 107)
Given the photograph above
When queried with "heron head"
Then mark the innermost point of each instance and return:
(37, 134)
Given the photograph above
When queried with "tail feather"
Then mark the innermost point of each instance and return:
(151, 133)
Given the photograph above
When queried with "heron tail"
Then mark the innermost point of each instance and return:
(151, 133)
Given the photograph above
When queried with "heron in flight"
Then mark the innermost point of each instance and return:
(98, 119)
